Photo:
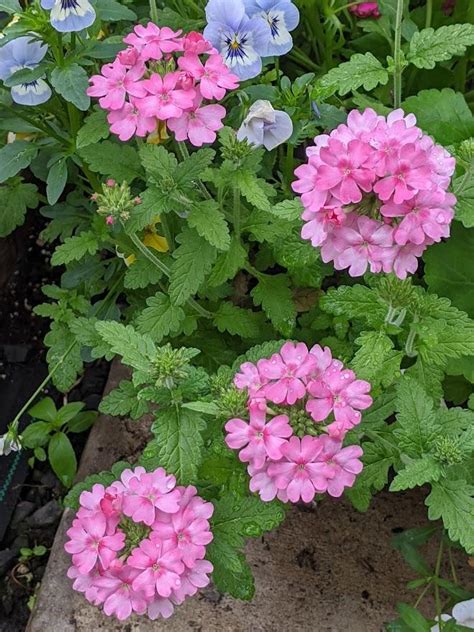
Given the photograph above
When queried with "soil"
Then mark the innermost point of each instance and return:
(30, 499)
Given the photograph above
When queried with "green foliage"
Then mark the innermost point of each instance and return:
(14, 157)
(160, 318)
(123, 401)
(110, 159)
(361, 71)
(105, 478)
(429, 46)
(71, 82)
(15, 197)
(274, 295)
(237, 321)
(95, 128)
(75, 248)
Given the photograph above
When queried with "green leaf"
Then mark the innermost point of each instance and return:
(82, 422)
(274, 295)
(378, 458)
(442, 113)
(68, 412)
(159, 163)
(360, 71)
(253, 189)
(412, 618)
(141, 274)
(62, 458)
(177, 444)
(288, 209)
(228, 263)
(209, 222)
(71, 82)
(429, 46)
(36, 434)
(416, 473)
(449, 268)
(417, 426)
(123, 401)
(160, 318)
(113, 11)
(453, 502)
(16, 156)
(354, 302)
(56, 181)
(10, 6)
(15, 198)
(137, 350)
(86, 335)
(110, 159)
(237, 321)
(192, 167)
(193, 261)
(463, 186)
(376, 361)
(45, 409)
(94, 129)
(235, 519)
(75, 248)
(25, 75)
(61, 341)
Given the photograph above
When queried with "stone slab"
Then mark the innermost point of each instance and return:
(326, 569)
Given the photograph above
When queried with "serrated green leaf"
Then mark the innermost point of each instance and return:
(137, 350)
(416, 420)
(160, 318)
(360, 71)
(416, 473)
(274, 295)
(71, 82)
(209, 223)
(237, 321)
(253, 189)
(288, 209)
(94, 129)
(153, 204)
(75, 248)
(61, 341)
(430, 46)
(228, 263)
(16, 156)
(110, 159)
(376, 361)
(87, 335)
(177, 444)
(141, 274)
(356, 301)
(15, 197)
(159, 163)
(453, 502)
(124, 401)
(193, 261)
(444, 114)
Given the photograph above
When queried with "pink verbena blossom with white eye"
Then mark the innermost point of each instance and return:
(372, 185)
(164, 81)
(138, 545)
(314, 402)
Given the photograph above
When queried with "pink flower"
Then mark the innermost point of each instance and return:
(128, 121)
(121, 599)
(261, 439)
(159, 564)
(160, 607)
(192, 580)
(188, 533)
(196, 44)
(115, 83)
(408, 174)
(249, 378)
(152, 41)
(289, 368)
(321, 224)
(301, 472)
(89, 543)
(214, 76)
(366, 10)
(166, 101)
(343, 171)
(339, 392)
(149, 492)
(86, 583)
(265, 485)
(344, 463)
(199, 125)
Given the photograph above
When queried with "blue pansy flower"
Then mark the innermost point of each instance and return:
(24, 52)
(70, 15)
(282, 16)
(242, 41)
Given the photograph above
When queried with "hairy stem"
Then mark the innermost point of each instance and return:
(184, 153)
(397, 57)
(429, 13)
(153, 11)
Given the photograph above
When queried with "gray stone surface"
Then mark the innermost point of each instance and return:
(328, 569)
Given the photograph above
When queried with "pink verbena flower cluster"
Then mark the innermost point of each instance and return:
(164, 76)
(139, 544)
(375, 193)
(301, 405)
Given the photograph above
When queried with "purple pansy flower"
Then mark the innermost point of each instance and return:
(265, 126)
(24, 52)
(282, 16)
(69, 15)
(241, 40)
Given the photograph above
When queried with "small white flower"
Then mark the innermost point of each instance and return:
(9, 443)
(463, 614)
(265, 126)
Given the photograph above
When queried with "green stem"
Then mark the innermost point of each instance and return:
(437, 571)
(397, 57)
(289, 164)
(92, 177)
(429, 13)
(422, 594)
(301, 58)
(35, 123)
(409, 350)
(236, 212)
(153, 11)
(167, 232)
(167, 272)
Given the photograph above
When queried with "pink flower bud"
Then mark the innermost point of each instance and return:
(94, 197)
(111, 183)
(137, 200)
(109, 220)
